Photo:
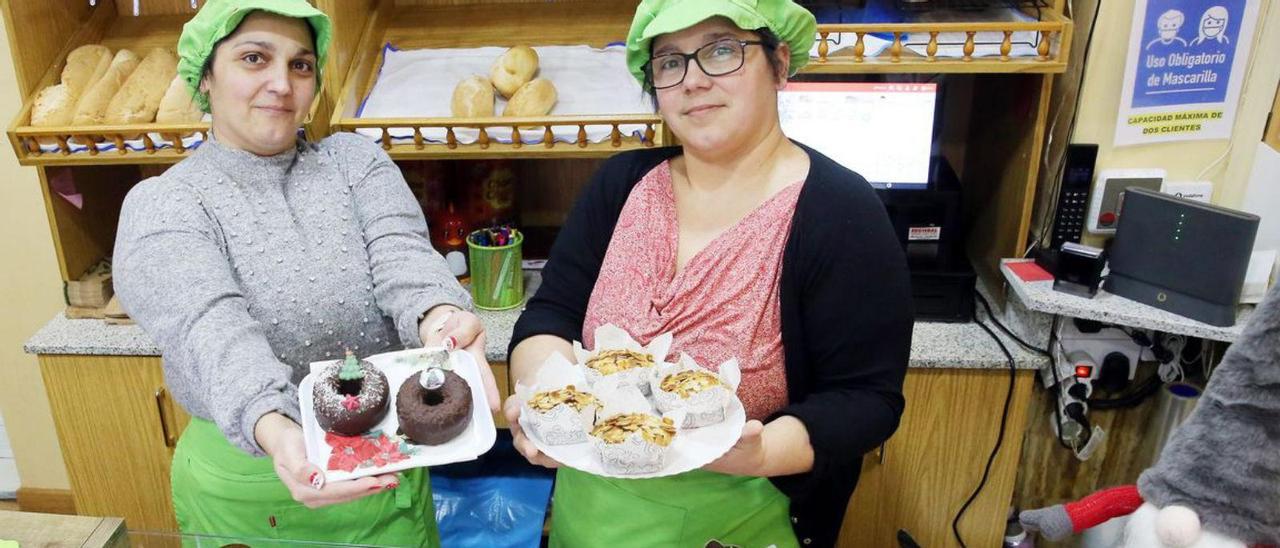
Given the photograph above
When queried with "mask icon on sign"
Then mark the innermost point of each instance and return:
(1168, 25)
(1213, 26)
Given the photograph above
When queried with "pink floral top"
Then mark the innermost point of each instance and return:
(724, 303)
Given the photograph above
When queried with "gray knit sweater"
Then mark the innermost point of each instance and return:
(244, 269)
(1224, 460)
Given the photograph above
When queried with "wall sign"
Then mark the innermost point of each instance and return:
(1185, 68)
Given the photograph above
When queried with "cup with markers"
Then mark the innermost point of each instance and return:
(497, 281)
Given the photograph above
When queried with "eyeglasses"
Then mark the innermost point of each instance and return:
(715, 59)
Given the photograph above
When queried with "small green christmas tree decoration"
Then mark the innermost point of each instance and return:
(351, 370)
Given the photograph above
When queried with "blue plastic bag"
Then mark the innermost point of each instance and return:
(499, 500)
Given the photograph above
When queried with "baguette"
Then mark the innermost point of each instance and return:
(53, 106)
(178, 106)
(91, 109)
(56, 105)
(139, 98)
(85, 65)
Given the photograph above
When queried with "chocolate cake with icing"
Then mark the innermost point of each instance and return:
(350, 397)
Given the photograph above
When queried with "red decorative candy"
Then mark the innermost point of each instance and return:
(388, 451)
(354, 452)
(351, 403)
(348, 452)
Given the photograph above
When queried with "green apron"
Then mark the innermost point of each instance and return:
(220, 490)
(687, 510)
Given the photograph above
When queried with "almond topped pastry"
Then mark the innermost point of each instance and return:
(689, 382)
(608, 362)
(654, 429)
(543, 402)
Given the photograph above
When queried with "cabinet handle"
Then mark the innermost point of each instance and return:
(169, 441)
(881, 453)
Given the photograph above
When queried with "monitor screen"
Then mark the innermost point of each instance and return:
(883, 131)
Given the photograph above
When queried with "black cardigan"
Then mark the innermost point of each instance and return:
(846, 318)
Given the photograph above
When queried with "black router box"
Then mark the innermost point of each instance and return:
(1182, 256)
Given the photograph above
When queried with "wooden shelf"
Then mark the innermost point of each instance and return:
(410, 25)
(160, 144)
(595, 23)
(1053, 48)
(103, 26)
(110, 24)
(419, 148)
(366, 25)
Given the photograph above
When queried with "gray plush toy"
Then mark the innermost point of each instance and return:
(1217, 481)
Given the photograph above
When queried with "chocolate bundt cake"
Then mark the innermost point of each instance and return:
(433, 406)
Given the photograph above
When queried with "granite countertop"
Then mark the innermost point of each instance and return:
(1105, 307)
(96, 337)
(934, 345)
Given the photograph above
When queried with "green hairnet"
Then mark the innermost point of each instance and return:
(793, 24)
(219, 18)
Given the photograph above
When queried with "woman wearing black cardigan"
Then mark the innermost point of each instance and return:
(685, 239)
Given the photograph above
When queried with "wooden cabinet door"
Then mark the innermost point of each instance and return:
(117, 427)
(934, 461)
(502, 374)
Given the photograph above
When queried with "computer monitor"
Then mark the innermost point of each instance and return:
(883, 131)
(1180, 255)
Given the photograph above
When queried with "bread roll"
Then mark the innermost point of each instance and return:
(513, 69)
(473, 98)
(85, 65)
(178, 106)
(91, 109)
(139, 97)
(54, 106)
(532, 99)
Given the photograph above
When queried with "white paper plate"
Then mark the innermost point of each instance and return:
(476, 440)
(691, 449)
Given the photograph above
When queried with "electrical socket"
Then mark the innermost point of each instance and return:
(1105, 201)
(1072, 342)
(1097, 346)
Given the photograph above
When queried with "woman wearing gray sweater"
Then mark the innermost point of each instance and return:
(262, 253)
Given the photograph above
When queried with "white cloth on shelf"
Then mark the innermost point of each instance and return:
(419, 84)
